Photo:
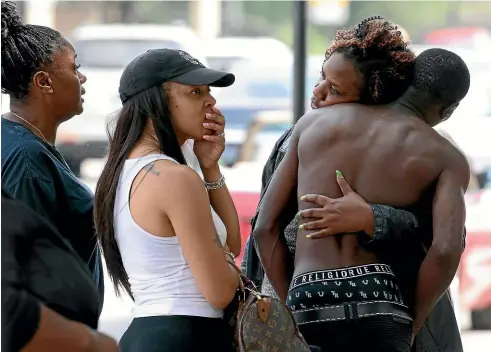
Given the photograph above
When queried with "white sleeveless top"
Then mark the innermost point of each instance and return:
(160, 278)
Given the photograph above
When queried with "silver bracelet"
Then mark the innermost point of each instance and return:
(211, 186)
(230, 255)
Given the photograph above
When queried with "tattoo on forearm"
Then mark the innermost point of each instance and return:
(151, 168)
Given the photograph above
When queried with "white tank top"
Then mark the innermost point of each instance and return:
(160, 278)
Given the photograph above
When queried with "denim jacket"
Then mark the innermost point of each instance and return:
(396, 233)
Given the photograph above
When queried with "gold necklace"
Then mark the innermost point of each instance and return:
(151, 140)
(30, 124)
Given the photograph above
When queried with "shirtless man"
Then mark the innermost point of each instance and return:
(390, 156)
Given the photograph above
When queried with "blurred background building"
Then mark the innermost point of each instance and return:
(254, 40)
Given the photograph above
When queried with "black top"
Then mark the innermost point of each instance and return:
(35, 173)
(39, 266)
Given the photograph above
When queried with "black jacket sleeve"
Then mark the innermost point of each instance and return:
(250, 265)
(392, 224)
(20, 311)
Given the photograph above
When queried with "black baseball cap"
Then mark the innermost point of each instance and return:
(158, 66)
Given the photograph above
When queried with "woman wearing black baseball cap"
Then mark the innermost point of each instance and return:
(153, 215)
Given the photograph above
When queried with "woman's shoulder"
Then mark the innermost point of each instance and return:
(28, 156)
(176, 178)
(174, 172)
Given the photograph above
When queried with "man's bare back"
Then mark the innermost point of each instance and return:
(387, 155)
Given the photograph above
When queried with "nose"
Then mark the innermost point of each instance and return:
(319, 91)
(210, 101)
(82, 77)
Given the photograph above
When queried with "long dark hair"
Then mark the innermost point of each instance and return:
(153, 105)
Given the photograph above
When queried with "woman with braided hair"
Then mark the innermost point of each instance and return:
(42, 78)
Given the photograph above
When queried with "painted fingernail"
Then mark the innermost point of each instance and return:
(303, 197)
(309, 236)
(339, 174)
(301, 227)
(206, 124)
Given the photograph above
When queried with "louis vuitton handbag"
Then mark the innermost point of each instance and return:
(261, 323)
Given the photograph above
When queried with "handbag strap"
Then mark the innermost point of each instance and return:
(244, 282)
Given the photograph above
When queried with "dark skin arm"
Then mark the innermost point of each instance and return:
(55, 333)
(271, 247)
(440, 265)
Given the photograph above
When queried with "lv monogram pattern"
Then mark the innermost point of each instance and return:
(261, 323)
(371, 287)
(277, 334)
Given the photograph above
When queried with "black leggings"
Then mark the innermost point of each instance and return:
(176, 334)
(371, 334)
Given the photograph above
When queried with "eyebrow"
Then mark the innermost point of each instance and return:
(334, 81)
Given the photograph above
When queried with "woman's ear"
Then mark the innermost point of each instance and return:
(42, 82)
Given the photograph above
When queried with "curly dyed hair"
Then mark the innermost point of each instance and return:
(378, 50)
(25, 50)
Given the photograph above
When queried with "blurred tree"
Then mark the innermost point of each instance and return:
(417, 17)
(162, 12)
(127, 11)
(318, 41)
(476, 13)
(274, 11)
(265, 17)
(274, 18)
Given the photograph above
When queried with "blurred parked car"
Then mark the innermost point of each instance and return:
(475, 266)
(103, 51)
(473, 279)
(261, 86)
(470, 37)
(223, 53)
(244, 177)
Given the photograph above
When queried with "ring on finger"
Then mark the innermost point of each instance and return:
(221, 134)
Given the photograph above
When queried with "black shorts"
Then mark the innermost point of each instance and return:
(330, 307)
